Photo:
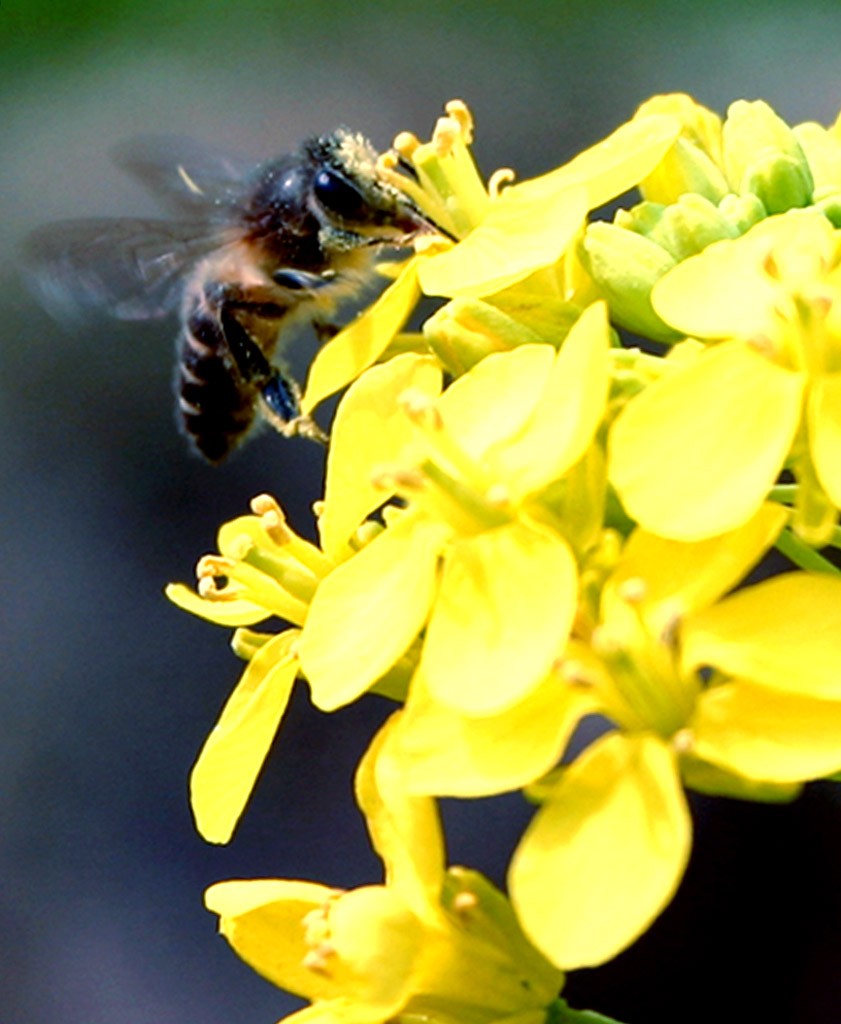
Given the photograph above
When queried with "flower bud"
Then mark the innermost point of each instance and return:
(464, 331)
(762, 156)
(823, 151)
(626, 266)
(688, 226)
(684, 168)
(743, 211)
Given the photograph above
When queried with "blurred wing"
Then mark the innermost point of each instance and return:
(192, 180)
(130, 268)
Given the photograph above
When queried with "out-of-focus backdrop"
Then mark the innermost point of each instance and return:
(107, 691)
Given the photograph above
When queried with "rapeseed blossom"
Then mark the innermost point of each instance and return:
(476, 558)
(732, 696)
(525, 524)
(766, 396)
(441, 944)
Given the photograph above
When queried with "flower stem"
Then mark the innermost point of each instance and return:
(802, 555)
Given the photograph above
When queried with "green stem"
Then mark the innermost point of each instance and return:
(835, 539)
(560, 1012)
(785, 493)
(802, 555)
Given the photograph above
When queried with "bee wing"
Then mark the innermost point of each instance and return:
(192, 180)
(130, 268)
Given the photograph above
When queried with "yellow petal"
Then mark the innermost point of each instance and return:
(720, 293)
(604, 856)
(263, 919)
(824, 416)
(503, 613)
(233, 754)
(569, 410)
(684, 578)
(450, 754)
(368, 610)
(224, 613)
(768, 734)
(405, 829)
(695, 454)
(363, 341)
(518, 236)
(613, 165)
(369, 429)
(377, 941)
(784, 633)
(509, 383)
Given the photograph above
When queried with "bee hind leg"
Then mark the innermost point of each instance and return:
(279, 393)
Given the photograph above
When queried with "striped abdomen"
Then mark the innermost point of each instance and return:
(216, 401)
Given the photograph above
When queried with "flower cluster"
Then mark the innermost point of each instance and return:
(528, 521)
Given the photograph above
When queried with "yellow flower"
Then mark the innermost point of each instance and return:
(441, 945)
(481, 555)
(696, 453)
(265, 569)
(740, 697)
(492, 237)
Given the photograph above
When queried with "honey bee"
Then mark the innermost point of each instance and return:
(249, 256)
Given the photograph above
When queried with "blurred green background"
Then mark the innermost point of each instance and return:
(107, 691)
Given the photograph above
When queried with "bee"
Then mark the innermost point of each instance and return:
(248, 257)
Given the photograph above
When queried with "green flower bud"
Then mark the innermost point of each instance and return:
(626, 266)
(466, 330)
(828, 201)
(684, 168)
(690, 225)
(762, 156)
(743, 211)
(823, 151)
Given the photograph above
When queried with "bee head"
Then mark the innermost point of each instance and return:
(353, 203)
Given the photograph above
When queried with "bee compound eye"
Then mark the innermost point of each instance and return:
(337, 195)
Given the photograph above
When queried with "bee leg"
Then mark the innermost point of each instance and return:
(279, 393)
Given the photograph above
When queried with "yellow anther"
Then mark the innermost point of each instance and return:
(460, 112)
(464, 902)
(499, 179)
(420, 408)
(683, 741)
(406, 143)
(318, 958)
(209, 566)
(397, 478)
(633, 590)
(498, 495)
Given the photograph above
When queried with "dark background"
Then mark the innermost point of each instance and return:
(108, 691)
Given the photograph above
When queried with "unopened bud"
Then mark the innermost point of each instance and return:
(464, 331)
(626, 266)
(762, 156)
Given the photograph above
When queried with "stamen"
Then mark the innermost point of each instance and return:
(574, 672)
(498, 495)
(633, 590)
(397, 478)
(406, 143)
(318, 958)
(209, 566)
(683, 741)
(272, 519)
(460, 112)
(500, 178)
(420, 409)
(464, 902)
(762, 344)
